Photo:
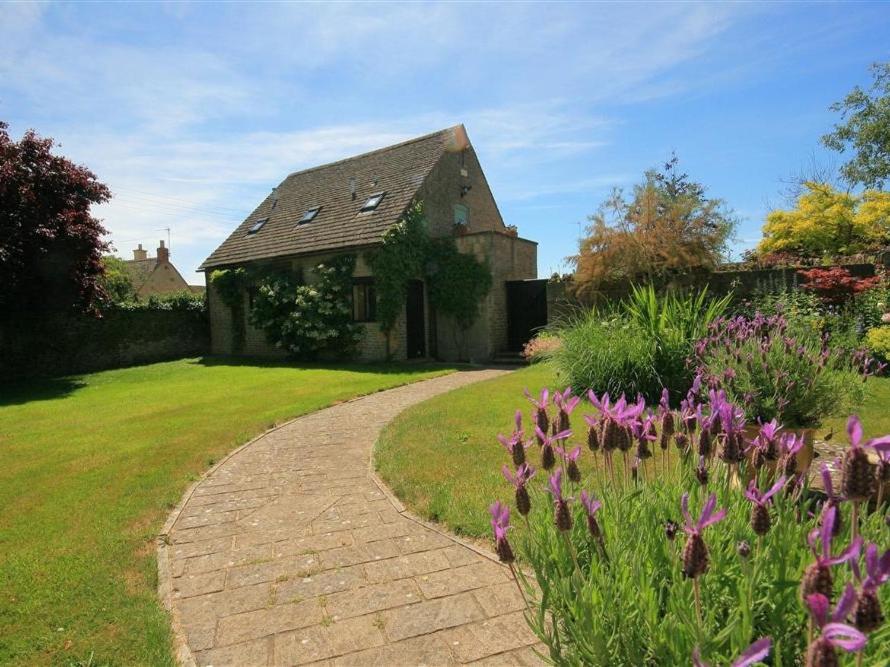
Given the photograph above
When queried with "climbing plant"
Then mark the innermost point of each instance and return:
(308, 320)
(400, 258)
(230, 285)
(457, 282)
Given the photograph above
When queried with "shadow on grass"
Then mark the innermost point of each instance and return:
(378, 367)
(39, 389)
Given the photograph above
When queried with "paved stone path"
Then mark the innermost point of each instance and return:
(288, 553)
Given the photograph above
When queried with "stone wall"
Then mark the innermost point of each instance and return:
(222, 325)
(742, 283)
(509, 258)
(81, 344)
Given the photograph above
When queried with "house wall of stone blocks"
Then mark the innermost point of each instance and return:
(509, 258)
(372, 346)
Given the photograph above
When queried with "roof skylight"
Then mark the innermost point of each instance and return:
(373, 201)
(309, 215)
(257, 226)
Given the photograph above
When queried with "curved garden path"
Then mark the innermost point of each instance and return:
(288, 552)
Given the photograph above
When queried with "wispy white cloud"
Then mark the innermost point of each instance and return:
(191, 128)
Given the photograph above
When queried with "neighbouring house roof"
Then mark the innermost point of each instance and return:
(397, 170)
(140, 269)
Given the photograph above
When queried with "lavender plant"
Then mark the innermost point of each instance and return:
(615, 569)
(773, 370)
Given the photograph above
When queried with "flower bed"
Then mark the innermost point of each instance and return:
(691, 563)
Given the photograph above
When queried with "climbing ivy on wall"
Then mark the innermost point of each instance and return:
(457, 282)
(308, 320)
(230, 284)
(400, 258)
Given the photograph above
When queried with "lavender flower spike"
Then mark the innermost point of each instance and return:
(857, 472)
(818, 578)
(695, 553)
(834, 633)
(760, 519)
(500, 522)
(523, 474)
(563, 517)
(571, 461)
(868, 615)
(755, 653)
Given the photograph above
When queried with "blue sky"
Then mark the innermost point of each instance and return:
(193, 112)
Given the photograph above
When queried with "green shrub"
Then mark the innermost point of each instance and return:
(640, 346)
(673, 322)
(877, 340)
(606, 354)
(309, 320)
(777, 369)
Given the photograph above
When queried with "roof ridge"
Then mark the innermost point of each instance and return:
(372, 152)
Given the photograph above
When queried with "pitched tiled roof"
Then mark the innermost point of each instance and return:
(140, 269)
(396, 170)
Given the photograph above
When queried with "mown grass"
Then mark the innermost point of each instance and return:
(442, 459)
(91, 466)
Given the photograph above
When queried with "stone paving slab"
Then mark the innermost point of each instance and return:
(289, 553)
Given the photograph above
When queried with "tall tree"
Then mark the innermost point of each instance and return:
(50, 245)
(865, 131)
(669, 226)
(826, 221)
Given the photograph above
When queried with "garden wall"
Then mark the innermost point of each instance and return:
(80, 344)
(741, 282)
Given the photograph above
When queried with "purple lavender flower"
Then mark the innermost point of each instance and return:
(833, 632)
(548, 460)
(695, 553)
(667, 419)
(755, 653)
(519, 481)
(701, 471)
(858, 474)
(644, 432)
(565, 404)
(500, 522)
(594, 437)
(760, 519)
(592, 506)
(868, 616)
(514, 444)
(767, 440)
(540, 418)
(832, 500)
(818, 578)
(571, 462)
(789, 445)
(562, 518)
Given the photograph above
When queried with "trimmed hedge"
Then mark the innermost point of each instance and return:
(125, 335)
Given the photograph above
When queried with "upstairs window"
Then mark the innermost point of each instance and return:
(257, 226)
(461, 215)
(373, 201)
(364, 300)
(309, 215)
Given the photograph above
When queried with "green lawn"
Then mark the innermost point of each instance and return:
(91, 467)
(443, 460)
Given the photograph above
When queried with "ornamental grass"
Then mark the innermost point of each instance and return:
(716, 552)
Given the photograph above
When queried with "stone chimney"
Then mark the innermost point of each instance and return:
(139, 253)
(163, 254)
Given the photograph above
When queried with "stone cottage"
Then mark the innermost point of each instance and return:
(346, 206)
(155, 275)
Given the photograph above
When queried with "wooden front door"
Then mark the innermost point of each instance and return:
(414, 321)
